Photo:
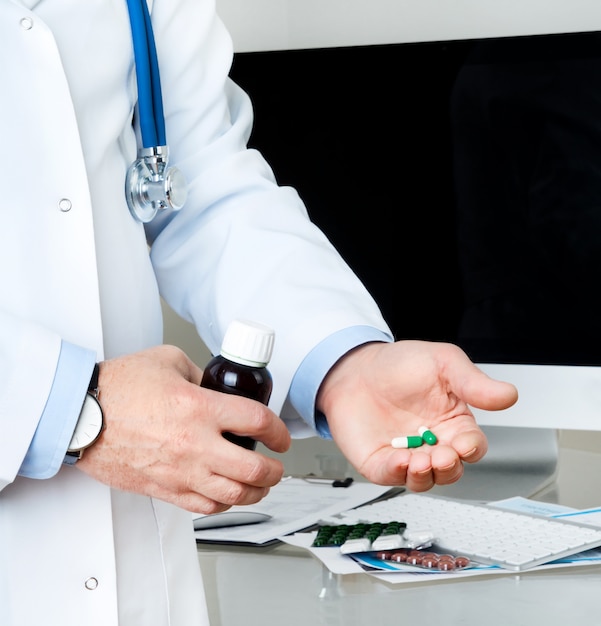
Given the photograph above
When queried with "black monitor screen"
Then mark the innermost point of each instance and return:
(461, 180)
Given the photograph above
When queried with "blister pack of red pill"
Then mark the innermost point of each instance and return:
(424, 559)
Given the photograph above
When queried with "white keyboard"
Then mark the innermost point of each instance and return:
(485, 534)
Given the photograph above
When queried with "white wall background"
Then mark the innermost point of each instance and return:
(293, 24)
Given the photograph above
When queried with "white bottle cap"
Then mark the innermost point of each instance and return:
(248, 343)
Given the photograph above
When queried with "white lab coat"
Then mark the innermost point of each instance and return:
(75, 265)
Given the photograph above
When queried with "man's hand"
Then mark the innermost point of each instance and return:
(163, 435)
(380, 391)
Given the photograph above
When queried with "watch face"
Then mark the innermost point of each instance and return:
(89, 425)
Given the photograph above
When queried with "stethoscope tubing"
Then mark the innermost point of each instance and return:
(150, 100)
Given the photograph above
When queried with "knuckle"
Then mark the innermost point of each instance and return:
(260, 417)
(235, 494)
(257, 472)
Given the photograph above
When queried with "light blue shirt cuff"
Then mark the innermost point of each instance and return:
(57, 423)
(315, 366)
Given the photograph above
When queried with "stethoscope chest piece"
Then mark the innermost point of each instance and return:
(152, 186)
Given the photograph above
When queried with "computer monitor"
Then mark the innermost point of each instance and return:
(461, 180)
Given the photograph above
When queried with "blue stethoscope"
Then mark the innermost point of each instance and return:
(150, 184)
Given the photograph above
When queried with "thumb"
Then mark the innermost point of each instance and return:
(479, 390)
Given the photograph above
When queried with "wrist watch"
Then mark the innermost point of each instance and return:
(89, 424)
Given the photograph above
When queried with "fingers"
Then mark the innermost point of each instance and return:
(202, 503)
(220, 491)
(237, 466)
(444, 465)
(418, 469)
(216, 476)
(215, 498)
(238, 477)
(471, 445)
(248, 418)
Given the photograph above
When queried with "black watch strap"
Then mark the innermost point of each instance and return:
(93, 386)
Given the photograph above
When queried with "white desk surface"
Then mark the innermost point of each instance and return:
(286, 586)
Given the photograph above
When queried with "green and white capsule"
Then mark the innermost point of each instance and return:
(407, 442)
(427, 435)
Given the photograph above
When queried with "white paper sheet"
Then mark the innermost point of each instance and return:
(294, 504)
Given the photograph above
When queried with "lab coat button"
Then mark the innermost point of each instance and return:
(64, 205)
(91, 583)
(26, 23)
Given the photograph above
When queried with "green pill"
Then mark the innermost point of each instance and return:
(407, 442)
(427, 435)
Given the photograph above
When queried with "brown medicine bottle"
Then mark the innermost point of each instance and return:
(241, 367)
